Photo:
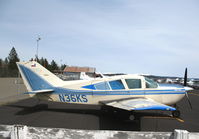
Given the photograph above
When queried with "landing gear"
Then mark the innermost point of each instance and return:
(176, 113)
(118, 113)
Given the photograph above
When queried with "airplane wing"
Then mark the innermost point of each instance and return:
(138, 104)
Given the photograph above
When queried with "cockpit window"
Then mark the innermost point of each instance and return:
(116, 85)
(102, 86)
(133, 83)
(150, 83)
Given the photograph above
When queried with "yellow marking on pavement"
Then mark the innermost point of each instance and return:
(180, 120)
(175, 118)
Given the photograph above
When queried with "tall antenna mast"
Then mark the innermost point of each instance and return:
(38, 39)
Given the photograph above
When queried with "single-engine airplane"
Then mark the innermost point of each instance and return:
(127, 92)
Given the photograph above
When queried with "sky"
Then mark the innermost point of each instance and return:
(158, 37)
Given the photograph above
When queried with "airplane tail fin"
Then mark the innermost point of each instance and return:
(36, 77)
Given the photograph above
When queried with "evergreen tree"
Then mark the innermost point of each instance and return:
(12, 59)
(6, 62)
(63, 67)
(1, 68)
(53, 66)
(36, 59)
(1, 63)
(41, 61)
(46, 64)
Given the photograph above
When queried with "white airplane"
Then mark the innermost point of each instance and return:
(126, 92)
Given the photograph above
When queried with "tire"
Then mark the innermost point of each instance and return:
(176, 113)
(131, 117)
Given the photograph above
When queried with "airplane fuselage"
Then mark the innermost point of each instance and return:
(162, 95)
(128, 92)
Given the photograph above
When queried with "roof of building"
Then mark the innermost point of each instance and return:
(79, 69)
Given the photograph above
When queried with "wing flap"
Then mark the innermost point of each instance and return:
(138, 104)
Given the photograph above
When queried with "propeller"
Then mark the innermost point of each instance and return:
(185, 84)
(185, 77)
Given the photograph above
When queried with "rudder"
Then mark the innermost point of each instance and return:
(36, 77)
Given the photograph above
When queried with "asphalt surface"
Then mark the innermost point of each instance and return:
(51, 114)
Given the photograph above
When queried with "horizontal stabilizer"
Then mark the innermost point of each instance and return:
(138, 104)
(40, 91)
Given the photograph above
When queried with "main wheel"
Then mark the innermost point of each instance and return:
(176, 113)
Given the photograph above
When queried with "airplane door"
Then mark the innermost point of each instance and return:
(135, 86)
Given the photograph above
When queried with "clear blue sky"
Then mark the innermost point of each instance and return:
(157, 37)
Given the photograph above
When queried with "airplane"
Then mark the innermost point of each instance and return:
(124, 92)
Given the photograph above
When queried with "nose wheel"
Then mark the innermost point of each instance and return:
(176, 113)
(131, 117)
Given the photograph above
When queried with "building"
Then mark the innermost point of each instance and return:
(74, 72)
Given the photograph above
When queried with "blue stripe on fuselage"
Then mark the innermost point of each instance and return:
(117, 92)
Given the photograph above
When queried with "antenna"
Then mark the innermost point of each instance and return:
(38, 39)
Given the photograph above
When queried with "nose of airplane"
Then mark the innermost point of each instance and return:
(188, 88)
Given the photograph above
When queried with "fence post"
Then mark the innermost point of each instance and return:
(19, 132)
(181, 134)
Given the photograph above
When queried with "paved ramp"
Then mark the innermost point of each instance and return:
(58, 115)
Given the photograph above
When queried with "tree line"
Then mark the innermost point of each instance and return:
(8, 67)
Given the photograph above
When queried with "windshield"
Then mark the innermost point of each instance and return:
(150, 83)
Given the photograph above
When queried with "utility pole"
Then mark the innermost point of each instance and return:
(38, 39)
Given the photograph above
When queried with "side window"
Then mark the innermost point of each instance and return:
(150, 83)
(102, 86)
(116, 85)
(133, 83)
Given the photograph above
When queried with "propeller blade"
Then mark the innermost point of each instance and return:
(187, 88)
(185, 77)
(188, 100)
